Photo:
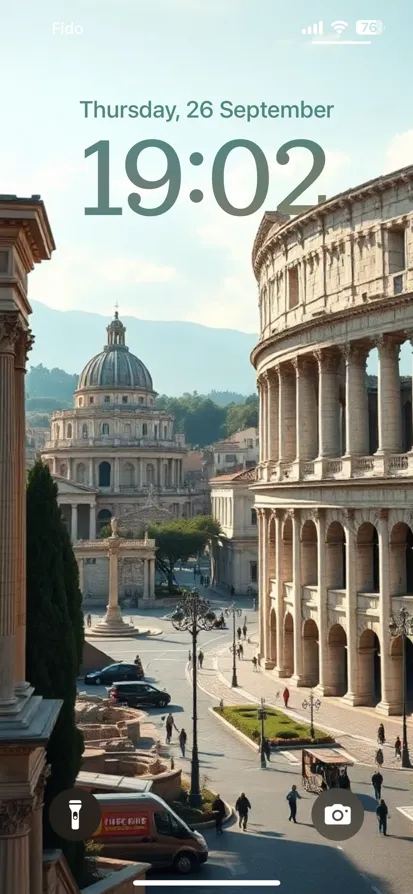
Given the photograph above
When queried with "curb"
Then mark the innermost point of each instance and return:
(233, 729)
(210, 824)
(276, 749)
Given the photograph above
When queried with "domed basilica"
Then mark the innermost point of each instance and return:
(115, 452)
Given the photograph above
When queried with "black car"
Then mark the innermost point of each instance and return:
(114, 672)
(137, 695)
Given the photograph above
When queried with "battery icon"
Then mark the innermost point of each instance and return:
(369, 27)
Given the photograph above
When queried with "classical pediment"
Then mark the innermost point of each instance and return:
(65, 486)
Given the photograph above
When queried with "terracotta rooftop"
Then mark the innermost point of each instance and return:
(245, 475)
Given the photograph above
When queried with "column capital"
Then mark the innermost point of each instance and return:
(327, 359)
(354, 352)
(382, 514)
(15, 817)
(40, 786)
(11, 330)
(24, 343)
(388, 344)
(349, 514)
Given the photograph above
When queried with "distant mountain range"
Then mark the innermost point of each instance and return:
(180, 356)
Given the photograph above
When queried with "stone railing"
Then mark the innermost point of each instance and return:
(336, 598)
(368, 602)
(288, 592)
(346, 467)
(309, 593)
(114, 441)
(308, 469)
(333, 467)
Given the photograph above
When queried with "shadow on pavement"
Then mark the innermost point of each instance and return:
(369, 802)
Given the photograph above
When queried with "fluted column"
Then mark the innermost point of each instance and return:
(116, 474)
(74, 523)
(91, 477)
(261, 627)
(260, 389)
(263, 595)
(306, 410)
(388, 397)
(146, 594)
(92, 521)
(272, 410)
(287, 413)
(151, 578)
(298, 643)
(322, 598)
(357, 415)
(389, 693)
(10, 331)
(351, 606)
(264, 423)
(113, 610)
(15, 817)
(328, 404)
(279, 592)
(80, 566)
(23, 345)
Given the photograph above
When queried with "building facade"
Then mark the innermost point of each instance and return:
(334, 487)
(235, 554)
(240, 451)
(115, 445)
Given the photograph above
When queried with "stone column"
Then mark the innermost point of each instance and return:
(322, 599)
(261, 629)
(152, 579)
(9, 573)
(15, 816)
(279, 592)
(139, 472)
(91, 476)
(328, 404)
(260, 389)
(158, 472)
(389, 695)
(306, 410)
(357, 415)
(92, 521)
(272, 397)
(351, 607)
(36, 835)
(113, 611)
(69, 473)
(287, 411)
(388, 396)
(298, 642)
(146, 593)
(264, 412)
(81, 565)
(116, 474)
(410, 335)
(74, 523)
(23, 345)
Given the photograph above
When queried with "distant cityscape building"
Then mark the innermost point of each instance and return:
(239, 451)
(235, 553)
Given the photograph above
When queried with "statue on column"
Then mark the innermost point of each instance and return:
(114, 526)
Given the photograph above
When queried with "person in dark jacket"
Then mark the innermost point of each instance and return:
(292, 799)
(382, 813)
(377, 782)
(242, 807)
(182, 741)
(218, 808)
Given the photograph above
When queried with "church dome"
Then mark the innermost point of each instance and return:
(115, 366)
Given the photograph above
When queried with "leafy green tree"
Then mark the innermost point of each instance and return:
(54, 641)
(241, 416)
(176, 540)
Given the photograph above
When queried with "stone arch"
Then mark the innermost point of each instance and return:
(367, 559)
(337, 660)
(69, 430)
(273, 637)
(369, 668)
(103, 518)
(288, 645)
(287, 550)
(309, 559)
(150, 474)
(128, 475)
(81, 473)
(310, 652)
(104, 471)
(401, 560)
(335, 557)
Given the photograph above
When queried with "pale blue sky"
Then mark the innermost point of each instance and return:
(192, 263)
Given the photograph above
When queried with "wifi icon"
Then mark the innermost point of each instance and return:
(339, 26)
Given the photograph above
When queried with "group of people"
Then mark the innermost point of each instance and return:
(170, 725)
(382, 810)
(381, 738)
(243, 806)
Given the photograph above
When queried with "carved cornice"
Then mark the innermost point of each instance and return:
(15, 817)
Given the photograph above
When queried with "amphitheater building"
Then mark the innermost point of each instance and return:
(334, 485)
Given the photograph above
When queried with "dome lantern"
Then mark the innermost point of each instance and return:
(115, 367)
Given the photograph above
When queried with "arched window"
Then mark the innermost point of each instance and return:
(150, 474)
(105, 428)
(80, 473)
(104, 517)
(85, 433)
(69, 430)
(144, 429)
(128, 475)
(104, 474)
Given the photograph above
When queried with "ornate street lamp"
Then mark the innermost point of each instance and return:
(313, 704)
(194, 614)
(262, 715)
(236, 613)
(401, 624)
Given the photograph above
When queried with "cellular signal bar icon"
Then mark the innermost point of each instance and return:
(314, 29)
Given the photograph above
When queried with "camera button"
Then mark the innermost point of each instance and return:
(337, 814)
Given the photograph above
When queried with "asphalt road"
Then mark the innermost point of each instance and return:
(272, 848)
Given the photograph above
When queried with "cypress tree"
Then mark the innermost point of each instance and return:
(54, 640)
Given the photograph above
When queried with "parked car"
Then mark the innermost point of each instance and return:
(114, 672)
(139, 695)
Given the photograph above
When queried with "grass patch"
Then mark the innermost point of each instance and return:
(279, 727)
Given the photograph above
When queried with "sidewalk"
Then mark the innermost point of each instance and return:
(356, 727)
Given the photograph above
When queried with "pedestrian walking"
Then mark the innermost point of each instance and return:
(218, 808)
(254, 604)
(201, 580)
(398, 748)
(194, 572)
(286, 697)
(379, 757)
(267, 749)
(241, 651)
(182, 741)
(380, 735)
(89, 620)
(242, 806)
(189, 656)
(292, 798)
(377, 782)
(200, 658)
(244, 630)
(169, 725)
(239, 632)
(232, 592)
(254, 663)
(382, 814)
